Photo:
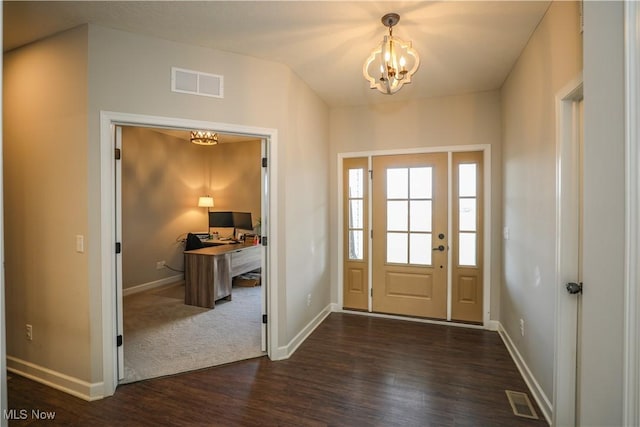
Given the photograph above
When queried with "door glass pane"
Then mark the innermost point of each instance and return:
(356, 245)
(467, 217)
(356, 215)
(356, 183)
(420, 215)
(420, 249)
(467, 180)
(397, 215)
(467, 249)
(397, 248)
(421, 183)
(397, 183)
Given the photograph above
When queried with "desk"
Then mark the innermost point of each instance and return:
(208, 271)
(218, 242)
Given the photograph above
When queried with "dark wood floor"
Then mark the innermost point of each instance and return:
(352, 371)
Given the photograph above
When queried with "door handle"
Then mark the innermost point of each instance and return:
(439, 248)
(574, 288)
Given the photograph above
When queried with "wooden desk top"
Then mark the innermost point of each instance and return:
(222, 249)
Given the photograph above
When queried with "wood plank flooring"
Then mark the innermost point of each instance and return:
(352, 371)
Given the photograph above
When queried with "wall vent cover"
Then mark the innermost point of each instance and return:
(197, 83)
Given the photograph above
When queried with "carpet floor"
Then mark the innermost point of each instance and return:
(163, 336)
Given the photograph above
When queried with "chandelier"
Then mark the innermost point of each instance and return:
(392, 63)
(204, 137)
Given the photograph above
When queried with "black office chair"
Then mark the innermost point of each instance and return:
(193, 242)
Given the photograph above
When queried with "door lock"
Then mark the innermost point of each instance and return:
(439, 248)
(574, 288)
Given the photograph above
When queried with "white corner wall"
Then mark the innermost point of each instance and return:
(551, 59)
(601, 353)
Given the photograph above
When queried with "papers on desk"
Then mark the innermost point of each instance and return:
(216, 242)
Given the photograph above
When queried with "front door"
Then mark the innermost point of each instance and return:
(410, 242)
(425, 231)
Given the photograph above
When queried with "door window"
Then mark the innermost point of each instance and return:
(409, 215)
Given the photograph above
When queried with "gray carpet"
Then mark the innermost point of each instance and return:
(163, 336)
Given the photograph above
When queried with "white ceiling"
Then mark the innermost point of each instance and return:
(464, 46)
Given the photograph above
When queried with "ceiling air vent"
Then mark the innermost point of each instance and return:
(197, 83)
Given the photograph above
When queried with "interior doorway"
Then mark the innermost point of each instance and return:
(160, 177)
(112, 297)
(423, 254)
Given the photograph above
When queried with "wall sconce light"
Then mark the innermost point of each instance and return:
(204, 137)
(392, 63)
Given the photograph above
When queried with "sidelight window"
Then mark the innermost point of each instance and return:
(468, 215)
(356, 213)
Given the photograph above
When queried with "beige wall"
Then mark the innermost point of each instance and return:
(45, 177)
(234, 183)
(53, 189)
(437, 122)
(162, 178)
(601, 354)
(552, 58)
(258, 93)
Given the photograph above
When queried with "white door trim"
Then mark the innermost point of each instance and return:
(631, 373)
(567, 235)
(108, 119)
(486, 149)
(4, 404)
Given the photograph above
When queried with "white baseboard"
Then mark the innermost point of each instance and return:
(152, 285)
(286, 351)
(534, 387)
(492, 325)
(74, 386)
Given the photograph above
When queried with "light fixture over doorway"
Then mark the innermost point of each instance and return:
(204, 137)
(391, 64)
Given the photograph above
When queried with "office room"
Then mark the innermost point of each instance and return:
(165, 178)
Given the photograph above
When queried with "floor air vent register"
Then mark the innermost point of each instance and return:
(521, 405)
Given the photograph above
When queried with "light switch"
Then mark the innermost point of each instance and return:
(505, 233)
(80, 243)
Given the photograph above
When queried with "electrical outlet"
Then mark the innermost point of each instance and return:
(308, 300)
(29, 330)
(160, 265)
(522, 327)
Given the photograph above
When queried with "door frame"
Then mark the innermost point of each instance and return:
(487, 323)
(566, 269)
(110, 119)
(631, 367)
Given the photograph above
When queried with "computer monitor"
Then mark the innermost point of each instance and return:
(242, 220)
(220, 219)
